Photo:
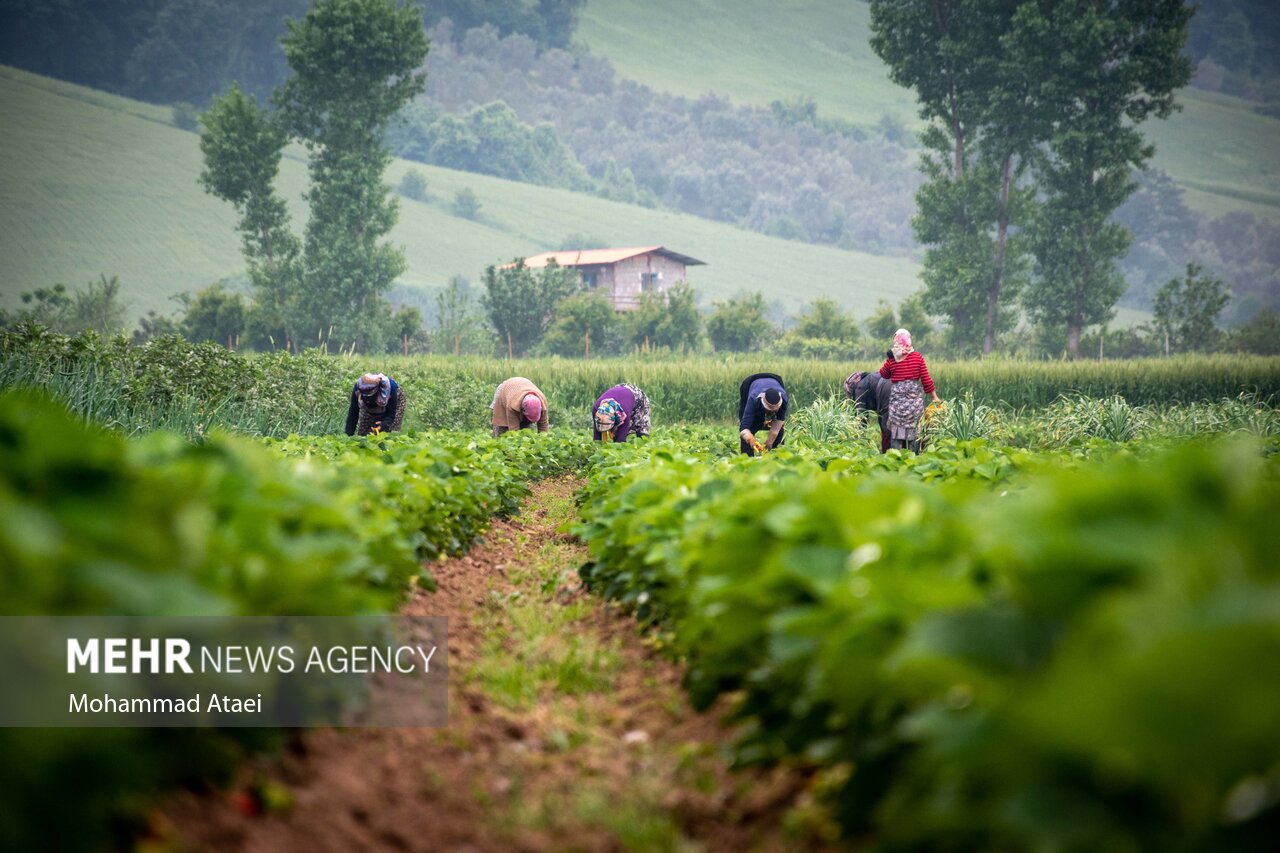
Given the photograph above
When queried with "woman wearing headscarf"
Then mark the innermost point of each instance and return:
(905, 368)
(519, 404)
(871, 392)
(377, 405)
(619, 413)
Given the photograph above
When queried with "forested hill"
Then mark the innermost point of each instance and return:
(773, 118)
(838, 171)
(95, 183)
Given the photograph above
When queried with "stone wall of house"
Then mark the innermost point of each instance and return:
(627, 277)
(604, 277)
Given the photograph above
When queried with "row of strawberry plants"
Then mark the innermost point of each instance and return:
(1078, 656)
(440, 489)
(97, 524)
(640, 498)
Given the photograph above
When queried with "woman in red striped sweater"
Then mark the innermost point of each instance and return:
(905, 368)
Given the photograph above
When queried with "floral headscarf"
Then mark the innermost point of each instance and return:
(375, 391)
(901, 344)
(609, 410)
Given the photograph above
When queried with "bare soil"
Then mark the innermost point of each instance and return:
(604, 754)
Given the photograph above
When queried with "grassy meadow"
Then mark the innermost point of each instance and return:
(1217, 147)
(94, 183)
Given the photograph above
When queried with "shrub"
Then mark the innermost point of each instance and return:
(466, 204)
(414, 186)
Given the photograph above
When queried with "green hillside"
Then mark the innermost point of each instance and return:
(93, 183)
(756, 51)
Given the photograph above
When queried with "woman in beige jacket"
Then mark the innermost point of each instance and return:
(518, 404)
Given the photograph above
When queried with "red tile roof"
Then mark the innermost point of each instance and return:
(592, 257)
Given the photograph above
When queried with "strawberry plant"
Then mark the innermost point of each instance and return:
(1006, 650)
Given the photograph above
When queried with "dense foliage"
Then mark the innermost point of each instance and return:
(186, 50)
(306, 526)
(1016, 654)
(354, 64)
(521, 303)
(1032, 127)
(906, 623)
(781, 171)
(1236, 45)
(787, 171)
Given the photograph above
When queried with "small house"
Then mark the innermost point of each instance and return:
(624, 274)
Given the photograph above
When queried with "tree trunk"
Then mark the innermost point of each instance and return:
(957, 131)
(958, 166)
(1002, 234)
(1073, 339)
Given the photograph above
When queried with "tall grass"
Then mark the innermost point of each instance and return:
(826, 420)
(193, 388)
(704, 389)
(965, 420)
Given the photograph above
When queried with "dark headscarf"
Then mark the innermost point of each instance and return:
(851, 383)
(375, 391)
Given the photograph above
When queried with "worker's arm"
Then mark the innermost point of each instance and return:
(747, 419)
(774, 429)
(353, 414)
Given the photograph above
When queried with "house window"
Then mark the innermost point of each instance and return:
(649, 281)
(591, 280)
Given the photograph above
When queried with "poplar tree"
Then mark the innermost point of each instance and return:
(1033, 107)
(983, 123)
(242, 146)
(1102, 68)
(355, 63)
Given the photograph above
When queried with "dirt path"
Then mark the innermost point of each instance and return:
(566, 732)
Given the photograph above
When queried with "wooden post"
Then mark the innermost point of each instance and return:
(508, 346)
(587, 353)
(455, 344)
(229, 346)
(646, 343)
